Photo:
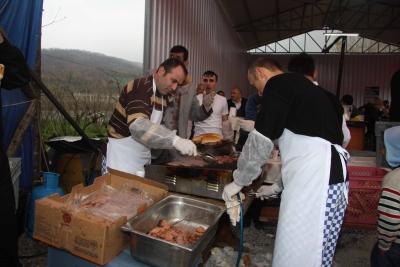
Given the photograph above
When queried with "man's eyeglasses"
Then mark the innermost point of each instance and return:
(208, 80)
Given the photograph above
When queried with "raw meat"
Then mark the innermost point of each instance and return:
(177, 234)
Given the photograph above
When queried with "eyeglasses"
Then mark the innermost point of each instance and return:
(208, 80)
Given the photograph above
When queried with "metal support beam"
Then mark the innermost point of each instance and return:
(341, 62)
(62, 110)
(22, 126)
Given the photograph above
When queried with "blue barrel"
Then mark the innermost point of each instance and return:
(49, 187)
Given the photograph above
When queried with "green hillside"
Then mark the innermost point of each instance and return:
(83, 71)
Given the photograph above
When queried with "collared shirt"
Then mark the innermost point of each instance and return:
(238, 104)
(136, 101)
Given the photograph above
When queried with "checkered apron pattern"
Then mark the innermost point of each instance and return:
(334, 213)
(103, 165)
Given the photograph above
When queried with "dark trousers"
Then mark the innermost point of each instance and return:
(8, 218)
(390, 258)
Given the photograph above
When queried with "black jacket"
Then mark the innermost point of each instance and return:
(241, 111)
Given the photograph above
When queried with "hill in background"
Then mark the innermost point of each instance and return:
(83, 71)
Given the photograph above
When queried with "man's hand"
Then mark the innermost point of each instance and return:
(266, 191)
(247, 125)
(208, 100)
(230, 191)
(233, 209)
(185, 146)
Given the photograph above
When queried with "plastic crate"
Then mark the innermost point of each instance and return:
(364, 193)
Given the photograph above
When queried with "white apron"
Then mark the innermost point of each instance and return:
(128, 155)
(305, 174)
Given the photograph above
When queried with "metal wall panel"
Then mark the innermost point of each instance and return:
(201, 27)
(359, 72)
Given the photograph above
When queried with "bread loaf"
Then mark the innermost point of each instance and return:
(208, 138)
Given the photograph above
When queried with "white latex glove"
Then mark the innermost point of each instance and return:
(266, 191)
(230, 190)
(227, 132)
(208, 100)
(235, 123)
(233, 209)
(185, 146)
(247, 125)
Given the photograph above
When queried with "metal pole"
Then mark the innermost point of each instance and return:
(62, 110)
(340, 71)
(147, 37)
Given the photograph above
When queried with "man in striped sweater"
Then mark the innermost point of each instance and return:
(386, 251)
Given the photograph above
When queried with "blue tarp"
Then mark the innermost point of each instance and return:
(21, 19)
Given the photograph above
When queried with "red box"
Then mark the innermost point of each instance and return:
(364, 193)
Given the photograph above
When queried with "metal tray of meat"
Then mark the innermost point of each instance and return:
(185, 211)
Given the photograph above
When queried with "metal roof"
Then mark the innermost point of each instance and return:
(262, 22)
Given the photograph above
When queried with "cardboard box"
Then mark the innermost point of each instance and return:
(85, 235)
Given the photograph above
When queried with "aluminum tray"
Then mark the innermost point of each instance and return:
(159, 252)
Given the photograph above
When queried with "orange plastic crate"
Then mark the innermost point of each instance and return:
(364, 193)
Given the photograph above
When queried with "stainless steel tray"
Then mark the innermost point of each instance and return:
(159, 252)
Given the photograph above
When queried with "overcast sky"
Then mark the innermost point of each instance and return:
(111, 27)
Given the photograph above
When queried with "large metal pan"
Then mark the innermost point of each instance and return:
(159, 252)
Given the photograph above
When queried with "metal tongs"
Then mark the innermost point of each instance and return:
(207, 157)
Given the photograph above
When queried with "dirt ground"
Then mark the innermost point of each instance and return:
(353, 249)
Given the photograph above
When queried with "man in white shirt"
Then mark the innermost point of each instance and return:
(213, 124)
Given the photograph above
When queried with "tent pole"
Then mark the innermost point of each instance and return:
(62, 110)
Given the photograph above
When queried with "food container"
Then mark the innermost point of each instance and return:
(159, 252)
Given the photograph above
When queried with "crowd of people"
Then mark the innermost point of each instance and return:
(290, 110)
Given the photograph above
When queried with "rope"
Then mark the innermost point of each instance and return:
(241, 232)
(19, 103)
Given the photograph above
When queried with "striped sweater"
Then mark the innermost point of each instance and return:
(389, 211)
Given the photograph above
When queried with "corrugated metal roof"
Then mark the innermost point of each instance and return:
(262, 22)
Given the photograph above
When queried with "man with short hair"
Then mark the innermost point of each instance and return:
(238, 102)
(213, 124)
(134, 126)
(185, 106)
(301, 118)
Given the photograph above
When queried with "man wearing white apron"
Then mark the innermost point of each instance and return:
(300, 116)
(134, 127)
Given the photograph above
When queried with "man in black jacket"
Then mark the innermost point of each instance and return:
(16, 74)
(237, 102)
